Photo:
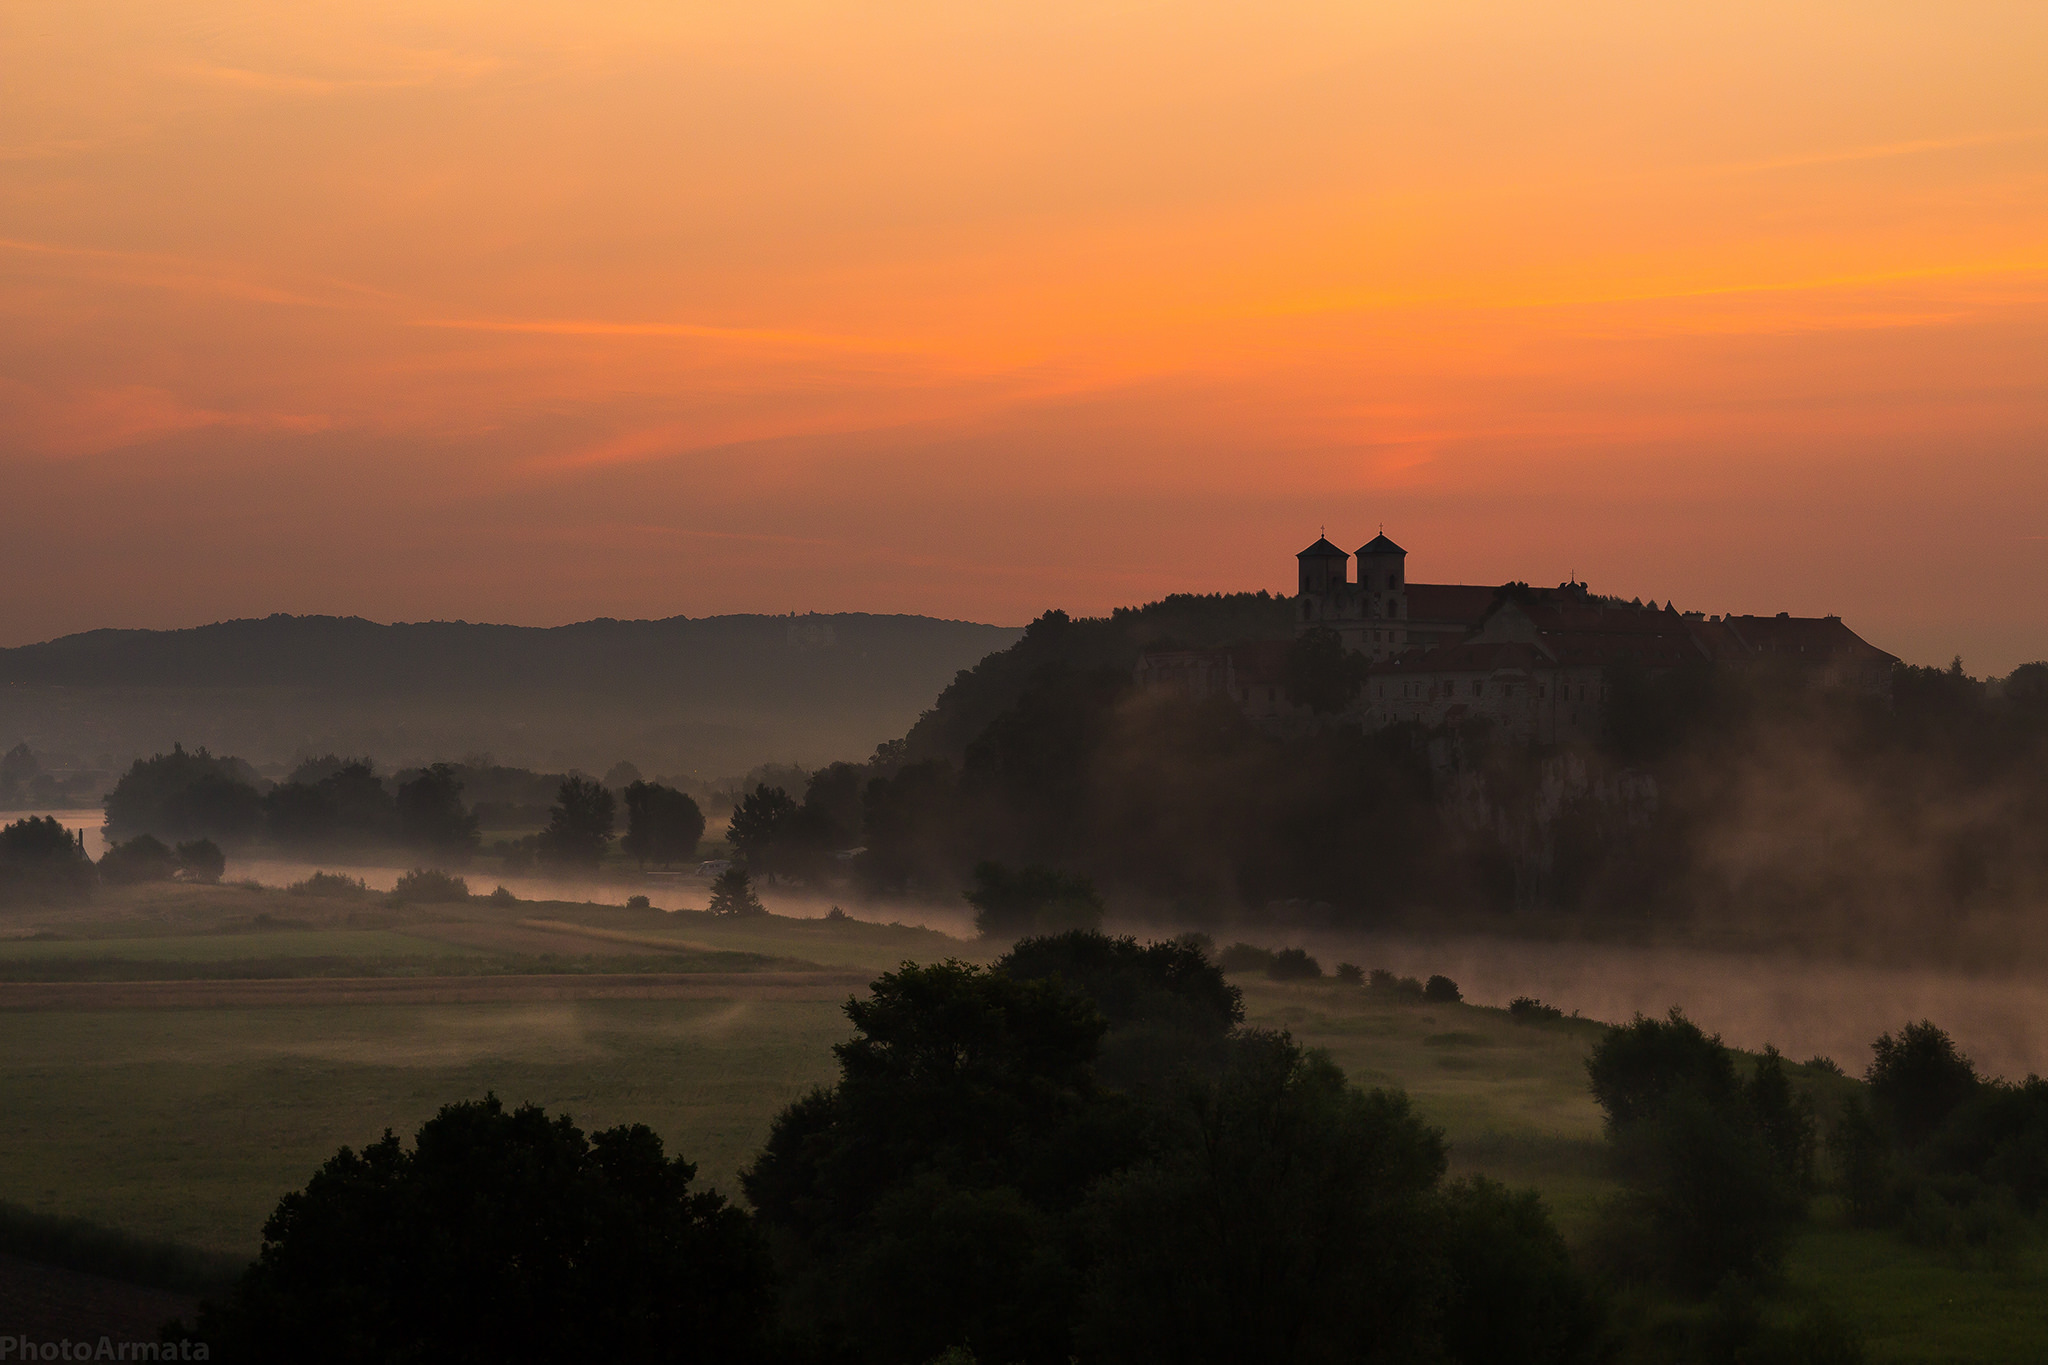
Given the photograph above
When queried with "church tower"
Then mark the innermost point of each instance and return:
(1383, 578)
(1383, 597)
(1322, 575)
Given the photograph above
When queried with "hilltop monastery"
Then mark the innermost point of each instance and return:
(1535, 661)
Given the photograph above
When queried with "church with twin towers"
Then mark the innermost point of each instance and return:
(1534, 662)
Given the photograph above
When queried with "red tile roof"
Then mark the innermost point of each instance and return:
(1808, 639)
(1463, 603)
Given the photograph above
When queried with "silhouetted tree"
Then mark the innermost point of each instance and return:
(663, 825)
(762, 828)
(579, 824)
(1287, 1219)
(1168, 1007)
(430, 814)
(732, 893)
(201, 860)
(1637, 1067)
(501, 1236)
(914, 1204)
(42, 863)
(1716, 1168)
(1917, 1080)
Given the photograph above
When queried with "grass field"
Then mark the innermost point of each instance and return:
(188, 1123)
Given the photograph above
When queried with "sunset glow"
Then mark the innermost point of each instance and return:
(535, 312)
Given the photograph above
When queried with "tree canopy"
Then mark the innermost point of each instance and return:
(501, 1235)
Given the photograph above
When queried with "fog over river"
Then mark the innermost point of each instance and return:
(1806, 1006)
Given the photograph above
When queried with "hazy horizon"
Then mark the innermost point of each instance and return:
(416, 313)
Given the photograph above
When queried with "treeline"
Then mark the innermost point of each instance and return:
(1078, 1153)
(341, 805)
(347, 809)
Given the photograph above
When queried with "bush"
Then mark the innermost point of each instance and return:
(1294, 964)
(201, 861)
(331, 884)
(502, 896)
(1245, 957)
(1403, 988)
(1441, 990)
(639, 903)
(1351, 974)
(1530, 1010)
(428, 886)
(145, 858)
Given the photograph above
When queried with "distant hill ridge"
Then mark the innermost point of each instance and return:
(326, 651)
(711, 694)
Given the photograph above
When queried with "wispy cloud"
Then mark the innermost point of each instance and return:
(405, 69)
(162, 270)
(587, 327)
(1885, 151)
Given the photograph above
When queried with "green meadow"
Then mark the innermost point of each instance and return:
(122, 1106)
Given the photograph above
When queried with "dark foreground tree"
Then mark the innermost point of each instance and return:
(1289, 1221)
(1168, 1007)
(42, 863)
(663, 825)
(1717, 1167)
(579, 824)
(972, 1182)
(500, 1236)
(916, 1206)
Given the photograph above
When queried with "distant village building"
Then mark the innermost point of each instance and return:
(1534, 661)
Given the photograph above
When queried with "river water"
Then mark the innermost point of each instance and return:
(1804, 1006)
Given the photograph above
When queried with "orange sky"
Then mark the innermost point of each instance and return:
(536, 312)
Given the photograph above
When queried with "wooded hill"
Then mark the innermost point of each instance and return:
(712, 695)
